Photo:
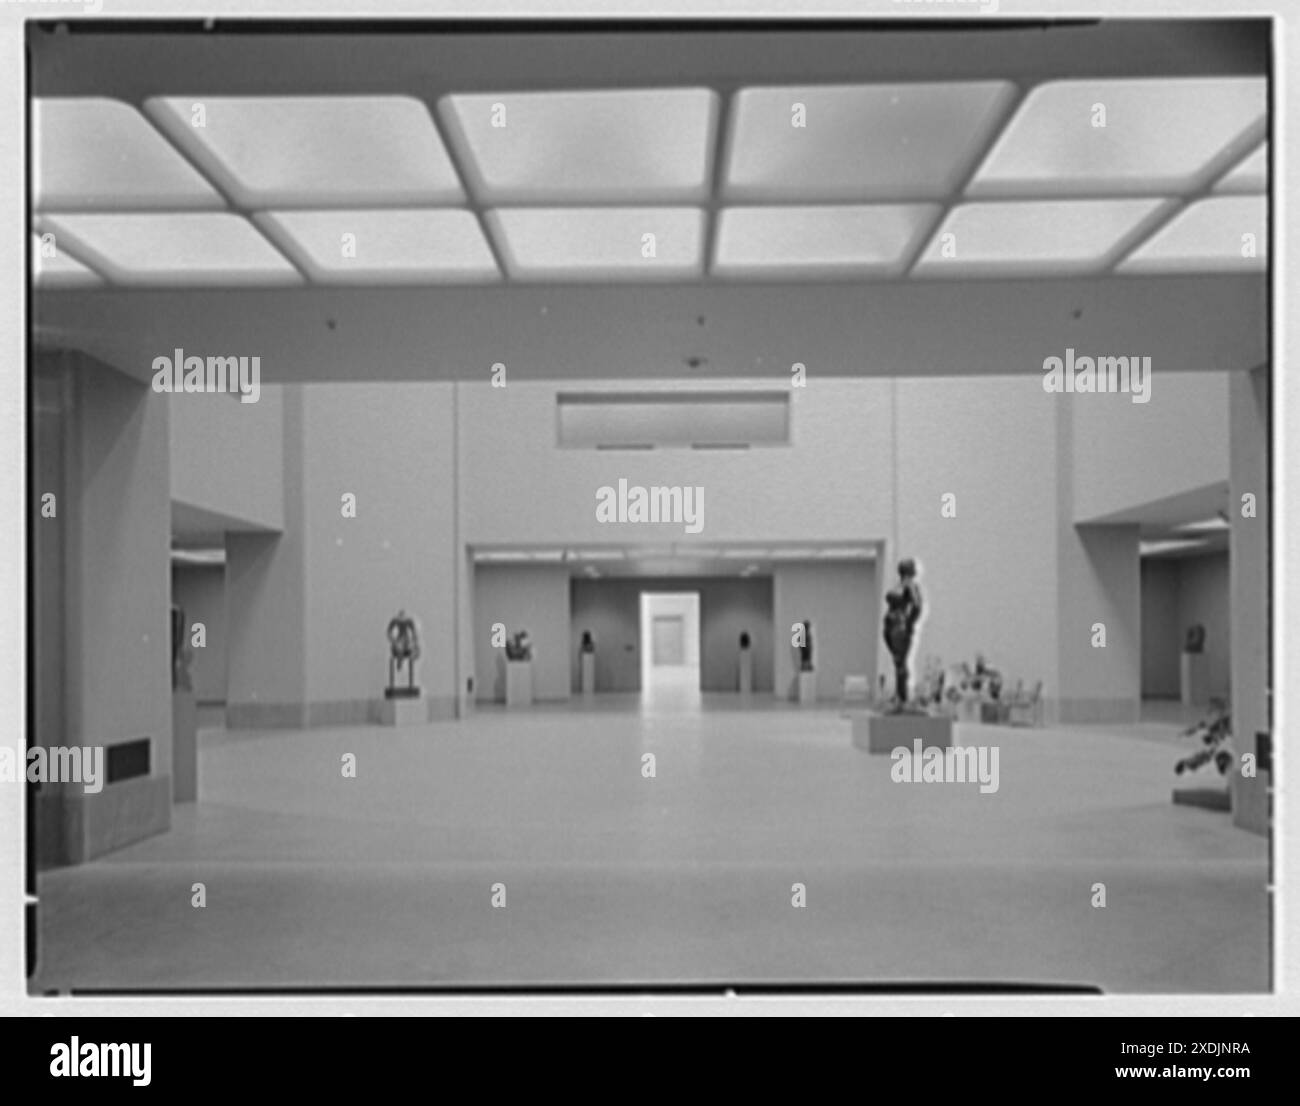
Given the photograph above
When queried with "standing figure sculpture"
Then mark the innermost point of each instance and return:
(806, 649)
(902, 611)
(404, 648)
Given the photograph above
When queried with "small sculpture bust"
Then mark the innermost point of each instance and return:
(902, 612)
(519, 647)
(744, 639)
(806, 649)
(1195, 642)
(588, 643)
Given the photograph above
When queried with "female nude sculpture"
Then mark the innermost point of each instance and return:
(902, 610)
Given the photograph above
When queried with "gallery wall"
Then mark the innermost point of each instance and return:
(832, 482)
(200, 591)
(842, 601)
(1127, 454)
(523, 597)
(391, 447)
(987, 555)
(609, 607)
(227, 456)
(1162, 629)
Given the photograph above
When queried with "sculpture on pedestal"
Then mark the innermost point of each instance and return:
(806, 649)
(1195, 641)
(902, 612)
(588, 643)
(404, 649)
(744, 639)
(519, 647)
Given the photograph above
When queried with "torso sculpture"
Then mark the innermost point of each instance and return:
(902, 611)
(404, 647)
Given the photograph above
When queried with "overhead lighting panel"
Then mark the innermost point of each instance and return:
(1108, 137)
(184, 249)
(313, 151)
(97, 154)
(1040, 238)
(858, 142)
(605, 243)
(604, 145)
(1214, 235)
(59, 269)
(384, 246)
(824, 241)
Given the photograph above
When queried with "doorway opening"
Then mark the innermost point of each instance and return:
(670, 648)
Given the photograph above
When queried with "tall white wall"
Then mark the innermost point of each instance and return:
(988, 575)
(228, 456)
(1127, 454)
(832, 482)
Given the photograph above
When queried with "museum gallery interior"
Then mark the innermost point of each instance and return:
(595, 506)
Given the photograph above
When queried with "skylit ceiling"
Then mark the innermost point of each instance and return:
(896, 181)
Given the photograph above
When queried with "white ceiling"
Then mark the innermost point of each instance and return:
(834, 182)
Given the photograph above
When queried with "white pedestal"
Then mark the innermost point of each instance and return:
(519, 683)
(588, 674)
(746, 671)
(883, 733)
(1194, 682)
(807, 688)
(411, 710)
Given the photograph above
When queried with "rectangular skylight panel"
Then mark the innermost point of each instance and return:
(1107, 137)
(1248, 175)
(1218, 234)
(378, 246)
(608, 145)
(609, 243)
(1046, 237)
(859, 142)
(56, 268)
(824, 241)
(185, 249)
(313, 151)
(96, 154)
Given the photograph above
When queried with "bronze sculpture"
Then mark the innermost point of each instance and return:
(902, 611)
(404, 648)
(1195, 640)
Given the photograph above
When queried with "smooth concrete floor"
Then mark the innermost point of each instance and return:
(313, 879)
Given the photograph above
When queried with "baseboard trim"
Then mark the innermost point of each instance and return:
(1098, 711)
(322, 713)
(74, 827)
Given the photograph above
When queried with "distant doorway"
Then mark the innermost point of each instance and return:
(670, 649)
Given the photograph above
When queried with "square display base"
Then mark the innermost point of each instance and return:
(883, 733)
(403, 711)
(807, 688)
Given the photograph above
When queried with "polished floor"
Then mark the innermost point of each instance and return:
(387, 878)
